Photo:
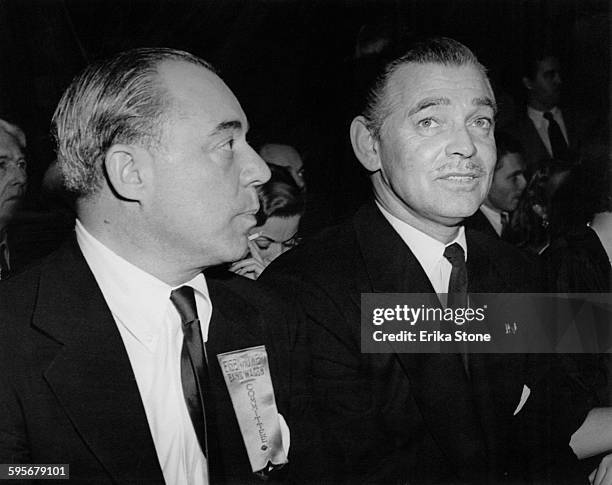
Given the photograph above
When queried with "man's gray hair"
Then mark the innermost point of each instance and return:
(14, 131)
(435, 50)
(117, 100)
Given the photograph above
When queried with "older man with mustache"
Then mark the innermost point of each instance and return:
(13, 180)
(427, 139)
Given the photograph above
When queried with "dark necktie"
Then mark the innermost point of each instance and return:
(457, 288)
(4, 267)
(457, 285)
(505, 224)
(194, 369)
(558, 144)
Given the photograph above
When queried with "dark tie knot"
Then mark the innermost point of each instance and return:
(455, 255)
(549, 116)
(183, 299)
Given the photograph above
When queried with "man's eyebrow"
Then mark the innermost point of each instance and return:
(427, 103)
(486, 101)
(233, 125)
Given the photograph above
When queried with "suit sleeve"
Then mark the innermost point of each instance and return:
(14, 447)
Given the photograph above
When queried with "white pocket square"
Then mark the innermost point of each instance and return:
(524, 397)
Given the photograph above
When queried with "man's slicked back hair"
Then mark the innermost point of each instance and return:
(117, 100)
(505, 143)
(434, 50)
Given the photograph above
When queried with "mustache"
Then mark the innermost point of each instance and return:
(466, 167)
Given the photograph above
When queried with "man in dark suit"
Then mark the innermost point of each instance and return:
(427, 140)
(111, 348)
(546, 135)
(493, 216)
(13, 180)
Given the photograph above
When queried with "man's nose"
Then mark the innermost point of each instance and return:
(256, 171)
(461, 143)
(18, 174)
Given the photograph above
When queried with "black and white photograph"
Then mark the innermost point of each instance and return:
(309, 242)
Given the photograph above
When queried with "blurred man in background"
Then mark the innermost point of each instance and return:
(13, 180)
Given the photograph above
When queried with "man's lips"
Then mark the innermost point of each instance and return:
(461, 176)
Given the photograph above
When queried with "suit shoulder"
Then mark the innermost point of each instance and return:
(18, 300)
(518, 267)
(246, 298)
(330, 251)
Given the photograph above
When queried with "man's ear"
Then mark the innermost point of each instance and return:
(126, 168)
(527, 83)
(365, 146)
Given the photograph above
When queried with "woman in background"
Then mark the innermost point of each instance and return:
(281, 207)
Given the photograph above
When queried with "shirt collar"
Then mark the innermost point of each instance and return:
(428, 251)
(138, 300)
(494, 217)
(538, 116)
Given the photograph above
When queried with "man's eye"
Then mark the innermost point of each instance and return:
(228, 145)
(428, 123)
(483, 123)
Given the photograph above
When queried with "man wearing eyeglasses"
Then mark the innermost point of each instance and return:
(13, 180)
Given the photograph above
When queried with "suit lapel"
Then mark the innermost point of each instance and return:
(438, 382)
(496, 388)
(91, 374)
(391, 267)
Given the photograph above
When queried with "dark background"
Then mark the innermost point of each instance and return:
(291, 63)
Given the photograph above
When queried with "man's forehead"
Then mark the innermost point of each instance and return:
(414, 82)
(197, 91)
(283, 155)
(549, 63)
(9, 143)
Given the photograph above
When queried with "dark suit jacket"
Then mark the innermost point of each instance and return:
(68, 393)
(402, 418)
(479, 222)
(535, 151)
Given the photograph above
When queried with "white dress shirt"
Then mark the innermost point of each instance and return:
(541, 125)
(428, 251)
(494, 217)
(150, 327)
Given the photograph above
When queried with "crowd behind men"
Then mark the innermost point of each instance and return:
(110, 346)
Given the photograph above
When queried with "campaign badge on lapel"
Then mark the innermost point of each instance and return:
(247, 377)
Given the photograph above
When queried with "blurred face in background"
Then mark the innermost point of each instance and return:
(508, 183)
(285, 156)
(13, 177)
(276, 235)
(544, 88)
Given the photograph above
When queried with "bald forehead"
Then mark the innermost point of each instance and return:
(186, 82)
(9, 140)
(282, 155)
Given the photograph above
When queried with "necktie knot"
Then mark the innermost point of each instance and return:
(183, 299)
(455, 255)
